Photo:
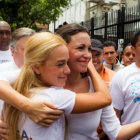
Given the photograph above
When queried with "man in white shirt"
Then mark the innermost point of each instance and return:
(5, 37)
(110, 55)
(19, 38)
(125, 89)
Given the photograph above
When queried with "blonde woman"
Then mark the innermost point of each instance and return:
(43, 76)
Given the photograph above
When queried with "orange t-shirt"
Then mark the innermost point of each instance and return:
(107, 76)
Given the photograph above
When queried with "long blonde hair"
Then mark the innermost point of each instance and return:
(37, 51)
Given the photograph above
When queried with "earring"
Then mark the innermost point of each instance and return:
(38, 73)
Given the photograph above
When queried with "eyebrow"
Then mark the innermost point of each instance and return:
(60, 61)
(82, 45)
(110, 52)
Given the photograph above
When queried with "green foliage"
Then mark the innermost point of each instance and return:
(27, 13)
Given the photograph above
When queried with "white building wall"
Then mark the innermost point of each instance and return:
(79, 11)
(74, 14)
(131, 3)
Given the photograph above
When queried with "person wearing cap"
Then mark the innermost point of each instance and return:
(110, 54)
(97, 59)
(105, 73)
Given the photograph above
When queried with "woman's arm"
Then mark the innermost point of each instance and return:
(99, 99)
(129, 131)
(99, 85)
(41, 112)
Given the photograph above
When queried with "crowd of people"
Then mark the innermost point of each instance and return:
(57, 87)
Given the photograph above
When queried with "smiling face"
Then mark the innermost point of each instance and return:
(128, 56)
(79, 52)
(97, 60)
(55, 70)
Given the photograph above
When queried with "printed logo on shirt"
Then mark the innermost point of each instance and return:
(135, 90)
(24, 136)
(4, 61)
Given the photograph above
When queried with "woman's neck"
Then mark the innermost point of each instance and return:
(76, 83)
(73, 78)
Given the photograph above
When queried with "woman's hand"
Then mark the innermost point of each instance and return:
(4, 131)
(39, 111)
(42, 112)
(91, 66)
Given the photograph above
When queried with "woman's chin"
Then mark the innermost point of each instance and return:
(84, 70)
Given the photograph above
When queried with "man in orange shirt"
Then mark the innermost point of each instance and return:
(97, 59)
(105, 73)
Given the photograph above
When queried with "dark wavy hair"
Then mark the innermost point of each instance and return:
(135, 38)
(66, 31)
